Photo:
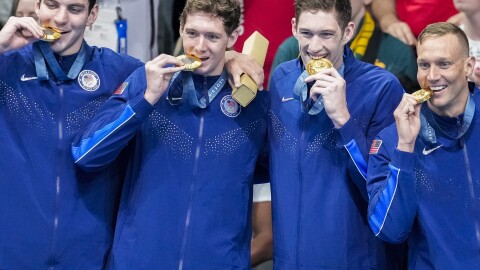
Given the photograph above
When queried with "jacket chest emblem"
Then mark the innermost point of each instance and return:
(88, 80)
(230, 107)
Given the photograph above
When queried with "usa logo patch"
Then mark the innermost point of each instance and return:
(121, 88)
(89, 80)
(375, 146)
(230, 106)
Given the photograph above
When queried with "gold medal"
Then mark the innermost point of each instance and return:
(422, 95)
(51, 34)
(315, 65)
(191, 62)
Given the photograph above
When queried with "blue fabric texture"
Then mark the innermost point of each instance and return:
(317, 172)
(187, 196)
(435, 206)
(53, 215)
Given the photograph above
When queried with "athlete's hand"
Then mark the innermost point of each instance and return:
(19, 32)
(402, 31)
(407, 119)
(331, 86)
(238, 64)
(457, 19)
(159, 72)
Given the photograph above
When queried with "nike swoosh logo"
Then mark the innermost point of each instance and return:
(24, 79)
(284, 99)
(428, 151)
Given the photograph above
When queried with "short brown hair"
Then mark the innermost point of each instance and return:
(226, 10)
(442, 29)
(342, 8)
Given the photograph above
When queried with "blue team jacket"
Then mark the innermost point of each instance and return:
(52, 215)
(187, 198)
(318, 172)
(430, 197)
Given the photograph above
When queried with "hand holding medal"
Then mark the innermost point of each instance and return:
(159, 71)
(18, 32)
(313, 67)
(423, 94)
(326, 90)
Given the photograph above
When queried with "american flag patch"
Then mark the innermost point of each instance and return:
(121, 88)
(375, 146)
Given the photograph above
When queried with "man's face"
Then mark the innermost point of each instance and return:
(26, 8)
(319, 36)
(204, 36)
(71, 17)
(444, 68)
(467, 6)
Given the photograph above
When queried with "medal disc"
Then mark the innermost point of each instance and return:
(50, 34)
(422, 95)
(191, 62)
(315, 65)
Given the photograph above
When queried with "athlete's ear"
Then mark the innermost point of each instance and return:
(348, 33)
(233, 38)
(92, 17)
(294, 28)
(469, 65)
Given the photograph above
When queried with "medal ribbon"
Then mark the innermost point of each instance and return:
(300, 92)
(42, 53)
(176, 95)
(427, 131)
(212, 92)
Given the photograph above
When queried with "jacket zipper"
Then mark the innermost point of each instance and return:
(300, 197)
(58, 173)
(191, 192)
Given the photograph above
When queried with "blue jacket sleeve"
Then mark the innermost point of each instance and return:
(391, 187)
(114, 126)
(357, 142)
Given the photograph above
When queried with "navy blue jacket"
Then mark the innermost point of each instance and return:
(430, 197)
(51, 213)
(187, 198)
(318, 172)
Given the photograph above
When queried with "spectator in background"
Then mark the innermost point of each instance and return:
(5, 8)
(470, 24)
(404, 19)
(167, 28)
(24, 8)
(370, 45)
(139, 14)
